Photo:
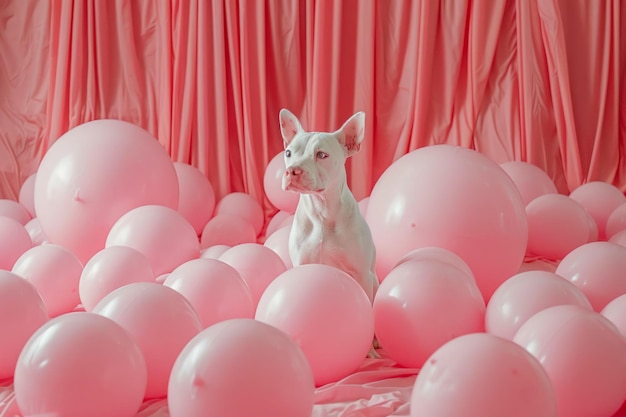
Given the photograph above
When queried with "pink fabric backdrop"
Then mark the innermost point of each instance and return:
(534, 80)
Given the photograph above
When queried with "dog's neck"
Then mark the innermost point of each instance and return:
(328, 203)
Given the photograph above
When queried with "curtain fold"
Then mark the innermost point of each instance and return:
(534, 80)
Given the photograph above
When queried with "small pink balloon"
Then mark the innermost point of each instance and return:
(279, 243)
(80, 364)
(26, 196)
(257, 264)
(22, 311)
(227, 229)
(36, 233)
(616, 221)
(422, 305)
(160, 320)
(593, 229)
(244, 206)
(196, 200)
(524, 295)
(215, 290)
(162, 234)
(619, 238)
(14, 241)
(600, 199)
(481, 375)
(288, 221)
(557, 225)
(110, 269)
(615, 311)
(434, 253)
(326, 312)
(15, 210)
(55, 272)
(530, 180)
(92, 175)
(213, 252)
(272, 184)
(241, 356)
(597, 269)
(584, 356)
(276, 221)
(161, 278)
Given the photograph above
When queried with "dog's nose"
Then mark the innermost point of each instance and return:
(294, 171)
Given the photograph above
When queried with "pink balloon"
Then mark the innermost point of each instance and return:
(450, 197)
(593, 229)
(160, 320)
(196, 200)
(110, 269)
(80, 364)
(37, 236)
(22, 311)
(524, 295)
(276, 221)
(421, 305)
(208, 376)
(55, 272)
(600, 199)
(272, 183)
(596, 268)
(14, 241)
(95, 173)
(481, 375)
(244, 206)
(326, 312)
(616, 221)
(214, 252)
(214, 288)
(279, 243)
(583, 354)
(437, 254)
(227, 229)
(26, 196)
(257, 264)
(363, 206)
(14, 210)
(615, 311)
(530, 180)
(557, 225)
(619, 238)
(162, 234)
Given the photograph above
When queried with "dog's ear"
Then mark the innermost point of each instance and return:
(352, 132)
(289, 126)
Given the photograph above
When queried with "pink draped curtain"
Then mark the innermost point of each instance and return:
(534, 80)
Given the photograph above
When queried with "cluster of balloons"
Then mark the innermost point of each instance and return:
(180, 299)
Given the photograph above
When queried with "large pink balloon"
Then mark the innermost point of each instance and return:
(241, 356)
(583, 354)
(615, 311)
(22, 311)
(454, 198)
(15, 210)
(437, 254)
(616, 221)
(159, 319)
(95, 173)
(197, 198)
(279, 243)
(257, 264)
(597, 268)
(55, 272)
(276, 221)
(557, 225)
(26, 196)
(214, 252)
(110, 269)
(619, 238)
(244, 206)
(162, 234)
(214, 288)
(272, 183)
(227, 229)
(530, 180)
(600, 199)
(14, 241)
(80, 364)
(421, 305)
(326, 312)
(524, 295)
(481, 375)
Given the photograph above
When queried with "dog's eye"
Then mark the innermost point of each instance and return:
(321, 155)
(288, 153)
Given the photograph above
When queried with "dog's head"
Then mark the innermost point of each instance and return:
(315, 160)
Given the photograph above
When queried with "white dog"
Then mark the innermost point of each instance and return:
(328, 227)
